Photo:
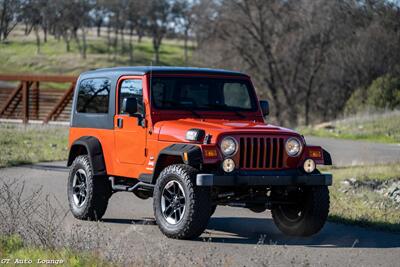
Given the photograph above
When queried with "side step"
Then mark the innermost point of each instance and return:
(133, 188)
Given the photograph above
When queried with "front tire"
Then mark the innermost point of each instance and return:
(308, 216)
(182, 210)
(87, 194)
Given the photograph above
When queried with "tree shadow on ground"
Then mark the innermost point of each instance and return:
(262, 231)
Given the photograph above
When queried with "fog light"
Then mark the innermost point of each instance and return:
(309, 165)
(228, 165)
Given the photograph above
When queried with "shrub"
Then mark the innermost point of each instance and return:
(382, 94)
(356, 103)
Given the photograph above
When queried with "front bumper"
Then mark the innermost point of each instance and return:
(264, 179)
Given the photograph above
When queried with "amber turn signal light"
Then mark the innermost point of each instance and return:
(185, 157)
(315, 154)
(210, 153)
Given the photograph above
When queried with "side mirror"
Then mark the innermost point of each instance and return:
(129, 106)
(264, 107)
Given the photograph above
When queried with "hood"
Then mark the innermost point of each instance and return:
(175, 131)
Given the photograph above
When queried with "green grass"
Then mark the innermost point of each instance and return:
(19, 55)
(383, 128)
(13, 249)
(21, 144)
(363, 206)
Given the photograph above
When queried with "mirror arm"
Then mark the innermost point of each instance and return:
(140, 119)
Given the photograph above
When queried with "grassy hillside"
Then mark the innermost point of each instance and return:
(384, 127)
(22, 144)
(19, 54)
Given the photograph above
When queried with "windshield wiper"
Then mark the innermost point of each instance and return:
(178, 104)
(227, 108)
(194, 113)
(237, 113)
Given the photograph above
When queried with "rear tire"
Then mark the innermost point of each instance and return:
(88, 194)
(308, 217)
(182, 210)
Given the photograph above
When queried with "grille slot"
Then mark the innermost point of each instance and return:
(261, 152)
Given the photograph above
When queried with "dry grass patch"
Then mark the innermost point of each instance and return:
(367, 196)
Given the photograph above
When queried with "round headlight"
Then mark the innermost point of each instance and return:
(309, 165)
(229, 146)
(293, 147)
(228, 165)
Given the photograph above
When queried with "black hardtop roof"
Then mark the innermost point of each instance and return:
(142, 70)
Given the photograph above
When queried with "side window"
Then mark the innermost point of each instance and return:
(131, 88)
(93, 95)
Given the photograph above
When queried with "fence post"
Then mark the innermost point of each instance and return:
(35, 100)
(25, 102)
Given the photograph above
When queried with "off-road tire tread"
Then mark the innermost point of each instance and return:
(316, 214)
(98, 192)
(199, 203)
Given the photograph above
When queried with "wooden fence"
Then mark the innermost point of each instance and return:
(32, 99)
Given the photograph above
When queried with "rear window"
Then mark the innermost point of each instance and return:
(93, 95)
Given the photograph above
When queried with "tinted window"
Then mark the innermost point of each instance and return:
(131, 88)
(202, 94)
(93, 96)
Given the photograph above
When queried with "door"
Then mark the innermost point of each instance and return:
(129, 134)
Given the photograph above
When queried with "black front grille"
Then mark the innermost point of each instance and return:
(261, 152)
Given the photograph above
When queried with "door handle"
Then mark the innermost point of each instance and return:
(120, 122)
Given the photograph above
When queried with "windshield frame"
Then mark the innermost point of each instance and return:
(245, 79)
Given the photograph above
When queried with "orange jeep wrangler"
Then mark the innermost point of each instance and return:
(192, 139)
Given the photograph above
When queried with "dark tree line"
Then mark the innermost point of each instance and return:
(307, 56)
(70, 21)
(9, 11)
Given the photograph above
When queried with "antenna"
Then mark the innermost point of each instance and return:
(151, 74)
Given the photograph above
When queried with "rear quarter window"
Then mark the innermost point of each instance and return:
(93, 95)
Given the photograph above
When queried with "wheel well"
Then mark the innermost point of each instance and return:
(91, 146)
(177, 154)
(164, 161)
(75, 151)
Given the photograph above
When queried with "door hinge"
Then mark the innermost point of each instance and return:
(145, 152)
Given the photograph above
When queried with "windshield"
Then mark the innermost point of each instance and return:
(207, 94)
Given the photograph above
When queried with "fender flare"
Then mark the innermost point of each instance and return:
(327, 157)
(188, 154)
(94, 151)
(194, 154)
